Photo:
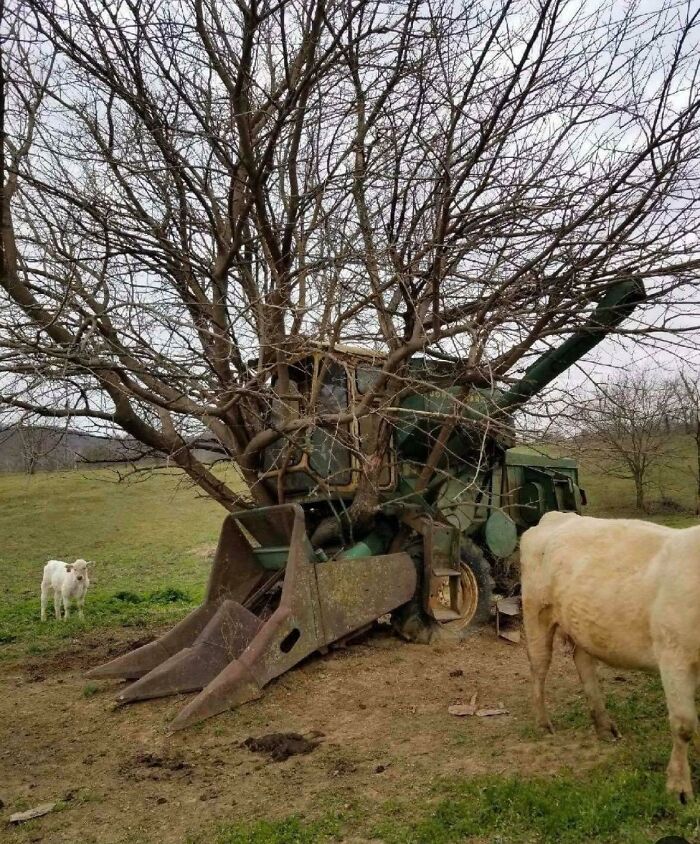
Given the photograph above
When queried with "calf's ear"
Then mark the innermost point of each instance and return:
(69, 566)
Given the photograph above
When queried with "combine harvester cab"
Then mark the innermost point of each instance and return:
(292, 579)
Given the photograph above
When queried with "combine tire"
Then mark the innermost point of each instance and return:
(474, 600)
(474, 560)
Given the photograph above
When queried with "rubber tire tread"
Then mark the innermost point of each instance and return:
(473, 557)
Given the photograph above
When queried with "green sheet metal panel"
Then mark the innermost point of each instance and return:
(501, 534)
(520, 457)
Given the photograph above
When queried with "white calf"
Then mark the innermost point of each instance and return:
(68, 581)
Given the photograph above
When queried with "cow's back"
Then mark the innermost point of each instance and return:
(611, 584)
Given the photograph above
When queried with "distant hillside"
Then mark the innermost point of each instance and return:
(44, 448)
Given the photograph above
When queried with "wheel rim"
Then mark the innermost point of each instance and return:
(454, 600)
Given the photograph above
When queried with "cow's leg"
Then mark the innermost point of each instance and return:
(80, 601)
(66, 611)
(679, 687)
(57, 603)
(539, 632)
(586, 667)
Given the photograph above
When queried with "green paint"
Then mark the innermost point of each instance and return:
(617, 304)
(374, 543)
(501, 534)
(273, 558)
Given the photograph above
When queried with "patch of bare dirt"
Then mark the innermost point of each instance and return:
(380, 704)
(204, 552)
(154, 766)
(81, 655)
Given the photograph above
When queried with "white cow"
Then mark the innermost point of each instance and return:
(625, 592)
(69, 581)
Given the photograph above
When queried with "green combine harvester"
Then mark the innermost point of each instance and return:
(292, 579)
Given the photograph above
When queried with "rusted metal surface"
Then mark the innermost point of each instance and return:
(450, 592)
(230, 631)
(236, 642)
(353, 593)
(454, 596)
(508, 615)
(135, 664)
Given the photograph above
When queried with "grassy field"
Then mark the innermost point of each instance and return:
(670, 493)
(153, 541)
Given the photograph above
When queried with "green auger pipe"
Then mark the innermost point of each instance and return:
(615, 306)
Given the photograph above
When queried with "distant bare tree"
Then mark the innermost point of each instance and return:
(36, 444)
(624, 427)
(194, 191)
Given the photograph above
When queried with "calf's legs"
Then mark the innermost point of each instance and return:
(679, 682)
(586, 666)
(44, 599)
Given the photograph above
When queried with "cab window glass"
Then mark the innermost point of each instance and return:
(367, 377)
(333, 395)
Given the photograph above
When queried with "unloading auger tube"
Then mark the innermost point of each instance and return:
(273, 599)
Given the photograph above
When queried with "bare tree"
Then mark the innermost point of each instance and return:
(195, 193)
(624, 427)
(37, 443)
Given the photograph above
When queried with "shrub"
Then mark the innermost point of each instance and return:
(127, 597)
(170, 595)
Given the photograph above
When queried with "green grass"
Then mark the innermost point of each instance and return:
(616, 806)
(624, 806)
(148, 541)
(288, 831)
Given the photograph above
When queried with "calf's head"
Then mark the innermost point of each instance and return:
(79, 570)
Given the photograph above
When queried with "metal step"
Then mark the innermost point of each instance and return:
(445, 614)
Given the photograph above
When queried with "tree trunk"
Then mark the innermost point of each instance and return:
(641, 502)
(366, 500)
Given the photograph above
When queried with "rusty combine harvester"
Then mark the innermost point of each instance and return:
(283, 586)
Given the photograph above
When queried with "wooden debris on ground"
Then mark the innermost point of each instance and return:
(463, 709)
(30, 814)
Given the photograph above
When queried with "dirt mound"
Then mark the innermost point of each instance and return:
(152, 760)
(280, 746)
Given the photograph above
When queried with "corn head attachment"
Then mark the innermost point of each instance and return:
(267, 607)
